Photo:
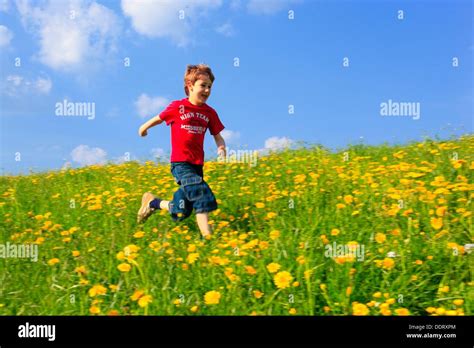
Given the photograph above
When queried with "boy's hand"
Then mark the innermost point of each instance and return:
(221, 153)
(142, 131)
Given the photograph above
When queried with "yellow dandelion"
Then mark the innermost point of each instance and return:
(250, 270)
(348, 199)
(136, 295)
(388, 263)
(54, 261)
(359, 309)
(301, 260)
(273, 267)
(124, 267)
(380, 238)
(274, 234)
(212, 297)
(283, 279)
(436, 223)
(444, 289)
(191, 258)
(139, 234)
(97, 290)
(94, 310)
(145, 300)
(80, 270)
(258, 293)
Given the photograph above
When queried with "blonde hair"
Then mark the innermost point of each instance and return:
(193, 72)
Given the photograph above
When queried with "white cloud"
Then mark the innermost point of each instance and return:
(43, 85)
(71, 33)
(15, 80)
(235, 4)
(158, 152)
(66, 165)
(230, 137)
(85, 155)
(268, 7)
(5, 36)
(4, 5)
(226, 29)
(16, 85)
(149, 106)
(172, 19)
(276, 143)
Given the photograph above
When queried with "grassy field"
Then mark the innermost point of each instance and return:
(408, 208)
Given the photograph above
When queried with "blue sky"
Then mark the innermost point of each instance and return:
(76, 50)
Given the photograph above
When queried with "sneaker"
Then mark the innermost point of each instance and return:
(145, 210)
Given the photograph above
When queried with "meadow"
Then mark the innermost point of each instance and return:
(406, 209)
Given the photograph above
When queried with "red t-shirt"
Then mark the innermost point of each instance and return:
(188, 125)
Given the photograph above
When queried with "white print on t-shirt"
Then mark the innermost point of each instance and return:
(194, 129)
(192, 115)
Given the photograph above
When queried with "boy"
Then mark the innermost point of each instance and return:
(189, 119)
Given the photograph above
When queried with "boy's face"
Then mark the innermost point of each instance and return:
(201, 90)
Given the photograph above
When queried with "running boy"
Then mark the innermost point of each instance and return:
(189, 119)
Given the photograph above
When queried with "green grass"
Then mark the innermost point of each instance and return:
(415, 195)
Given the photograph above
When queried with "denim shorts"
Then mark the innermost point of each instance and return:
(193, 193)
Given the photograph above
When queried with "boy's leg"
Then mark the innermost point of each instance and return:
(203, 223)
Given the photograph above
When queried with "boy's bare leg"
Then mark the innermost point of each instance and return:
(165, 205)
(203, 223)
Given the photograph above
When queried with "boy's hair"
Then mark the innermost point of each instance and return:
(193, 72)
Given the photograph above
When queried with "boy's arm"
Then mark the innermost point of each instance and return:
(150, 123)
(220, 142)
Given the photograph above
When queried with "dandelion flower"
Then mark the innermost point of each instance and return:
(145, 300)
(212, 297)
(124, 267)
(273, 267)
(94, 310)
(136, 295)
(436, 223)
(192, 258)
(139, 234)
(283, 279)
(54, 261)
(97, 290)
(380, 238)
(359, 309)
(274, 234)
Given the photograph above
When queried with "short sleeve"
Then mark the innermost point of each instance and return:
(215, 124)
(169, 113)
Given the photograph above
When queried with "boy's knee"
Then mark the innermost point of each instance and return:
(180, 207)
